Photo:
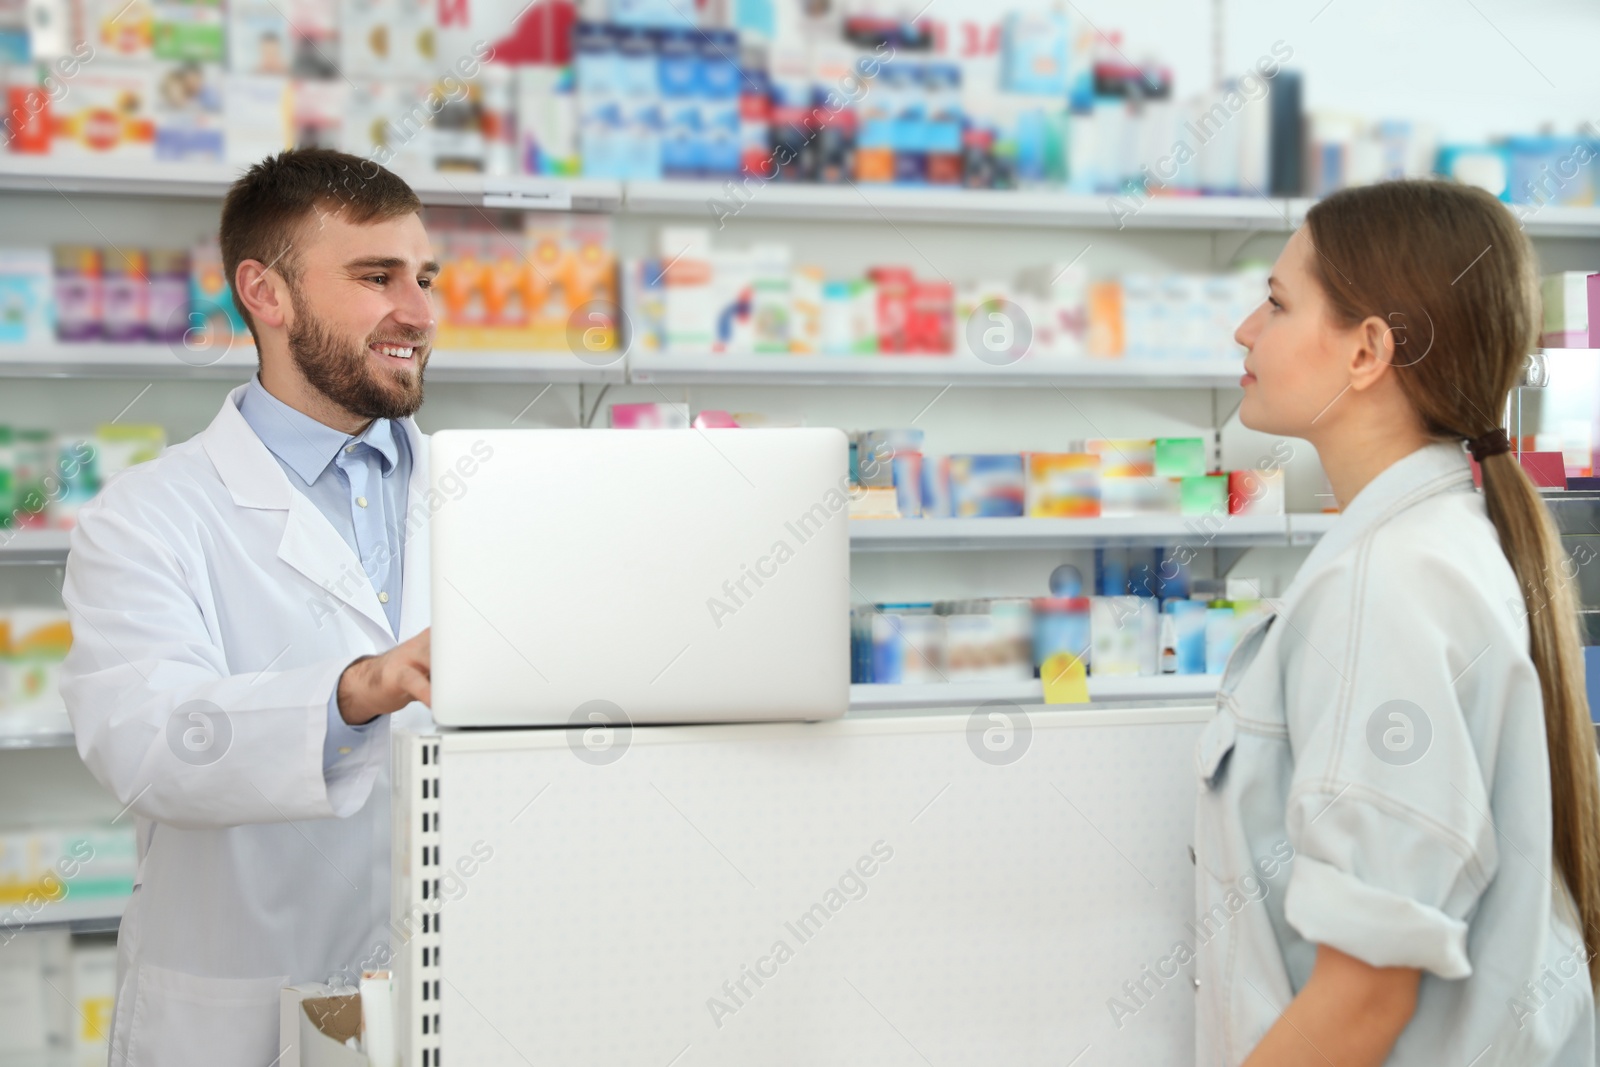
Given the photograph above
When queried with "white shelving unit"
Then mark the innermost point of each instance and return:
(238, 362)
(852, 202)
(974, 694)
(210, 181)
(87, 917)
(709, 200)
(962, 370)
(33, 546)
(942, 535)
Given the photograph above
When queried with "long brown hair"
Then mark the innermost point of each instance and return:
(1447, 267)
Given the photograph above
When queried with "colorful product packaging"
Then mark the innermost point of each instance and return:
(1566, 309)
(107, 113)
(1256, 492)
(26, 308)
(1179, 457)
(654, 416)
(124, 293)
(805, 311)
(929, 329)
(1063, 485)
(1204, 494)
(894, 288)
(77, 292)
(547, 120)
(167, 295)
(211, 310)
(1105, 338)
(1061, 625)
(1124, 456)
(987, 486)
(1189, 627)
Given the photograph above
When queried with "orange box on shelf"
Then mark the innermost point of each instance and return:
(1106, 338)
(1063, 485)
(543, 288)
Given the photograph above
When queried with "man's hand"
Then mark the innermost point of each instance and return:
(382, 685)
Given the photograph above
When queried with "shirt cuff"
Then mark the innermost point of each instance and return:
(341, 738)
(1379, 927)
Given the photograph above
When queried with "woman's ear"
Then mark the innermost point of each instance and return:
(262, 292)
(1372, 350)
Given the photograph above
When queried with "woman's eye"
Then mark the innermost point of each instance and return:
(1275, 305)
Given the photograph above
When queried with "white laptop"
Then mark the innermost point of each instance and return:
(649, 576)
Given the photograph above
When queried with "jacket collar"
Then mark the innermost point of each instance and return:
(1434, 468)
(310, 544)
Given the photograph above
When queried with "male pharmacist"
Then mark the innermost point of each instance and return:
(249, 608)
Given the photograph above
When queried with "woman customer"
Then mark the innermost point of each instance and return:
(1409, 724)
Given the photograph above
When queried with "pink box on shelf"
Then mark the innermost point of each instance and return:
(1594, 311)
(1565, 339)
(1545, 469)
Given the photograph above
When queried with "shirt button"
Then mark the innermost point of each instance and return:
(349, 448)
(345, 751)
(383, 598)
(1191, 856)
(361, 501)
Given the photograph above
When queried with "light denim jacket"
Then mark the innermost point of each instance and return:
(1376, 780)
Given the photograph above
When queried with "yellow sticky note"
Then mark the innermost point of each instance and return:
(1066, 681)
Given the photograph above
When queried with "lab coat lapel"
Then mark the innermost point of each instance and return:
(415, 609)
(310, 544)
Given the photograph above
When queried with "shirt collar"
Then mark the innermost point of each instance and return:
(305, 445)
(1434, 468)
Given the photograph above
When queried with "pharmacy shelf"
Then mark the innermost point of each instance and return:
(85, 917)
(238, 362)
(108, 360)
(974, 694)
(199, 181)
(733, 199)
(943, 535)
(1308, 528)
(721, 202)
(1550, 221)
(997, 534)
(509, 367)
(964, 369)
(54, 739)
(33, 546)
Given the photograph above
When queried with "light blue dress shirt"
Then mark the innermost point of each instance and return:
(359, 483)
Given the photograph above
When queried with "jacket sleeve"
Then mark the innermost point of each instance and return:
(157, 716)
(1389, 807)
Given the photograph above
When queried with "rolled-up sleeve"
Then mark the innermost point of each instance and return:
(1388, 811)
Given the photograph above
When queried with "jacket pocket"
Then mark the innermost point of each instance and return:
(184, 1020)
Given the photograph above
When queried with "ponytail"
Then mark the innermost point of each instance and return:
(1532, 545)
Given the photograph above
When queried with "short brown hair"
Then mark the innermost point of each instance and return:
(265, 209)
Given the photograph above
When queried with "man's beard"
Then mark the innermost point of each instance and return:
(344, 373)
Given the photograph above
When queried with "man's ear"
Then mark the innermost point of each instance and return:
(262, 292)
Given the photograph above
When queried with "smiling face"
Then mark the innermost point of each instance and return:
(1297, 361)
(361, 322)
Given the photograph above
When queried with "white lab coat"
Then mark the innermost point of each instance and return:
(206, 576)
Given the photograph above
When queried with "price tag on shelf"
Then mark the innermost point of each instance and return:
(524, 194)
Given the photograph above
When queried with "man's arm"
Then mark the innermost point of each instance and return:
(161, 722)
